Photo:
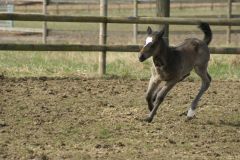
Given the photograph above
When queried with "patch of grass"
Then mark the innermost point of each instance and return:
(104, 133)
(225, 67)
(125, 68)
(22, 64)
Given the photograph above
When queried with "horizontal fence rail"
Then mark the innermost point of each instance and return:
(17, 30)
(128, 20)
(113, 1)
(95, 48)
(188, 1)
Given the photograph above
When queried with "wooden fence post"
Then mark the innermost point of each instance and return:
(229, 15)
(212, 5)
(44, 33)
(180, 5)
(103, 37)
(163, 10)
(135, 26)
(57, 8)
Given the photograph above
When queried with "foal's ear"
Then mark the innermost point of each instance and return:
(160, 34)
(149, 30)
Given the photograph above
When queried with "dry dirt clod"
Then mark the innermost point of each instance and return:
(64, 96)
(2, 124)
(43, 78)
(120, 144)
(98, 146)
(172, 141)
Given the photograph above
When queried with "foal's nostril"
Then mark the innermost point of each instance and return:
(141, 58)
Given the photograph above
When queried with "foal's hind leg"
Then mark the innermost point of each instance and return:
(151, 91)
(206, 79)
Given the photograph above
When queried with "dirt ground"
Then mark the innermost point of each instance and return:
(83, 118)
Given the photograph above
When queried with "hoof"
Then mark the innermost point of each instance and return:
(191, 113)
(190, 118)
(148, 119)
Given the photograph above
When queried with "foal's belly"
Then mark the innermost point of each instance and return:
(165, 75)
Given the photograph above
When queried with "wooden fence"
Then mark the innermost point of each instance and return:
(104, 19)
(126, 20)
(228, 4)
(99, 48)
(44, 31)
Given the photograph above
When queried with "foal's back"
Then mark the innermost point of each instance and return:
(194, 51)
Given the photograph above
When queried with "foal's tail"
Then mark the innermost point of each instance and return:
(207, 32)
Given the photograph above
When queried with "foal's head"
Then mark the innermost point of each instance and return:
(154, 43)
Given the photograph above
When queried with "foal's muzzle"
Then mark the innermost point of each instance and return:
(142, 58)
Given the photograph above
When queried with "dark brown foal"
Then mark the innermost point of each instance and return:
(173, 64)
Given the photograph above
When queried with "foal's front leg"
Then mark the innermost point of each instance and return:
(160, 97)
(153, 86)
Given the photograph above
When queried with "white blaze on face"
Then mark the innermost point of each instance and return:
(148, 40)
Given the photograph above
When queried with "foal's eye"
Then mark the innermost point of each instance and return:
(149, 45)
(152, 45)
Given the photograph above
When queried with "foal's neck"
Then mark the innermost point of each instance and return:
(163, 53)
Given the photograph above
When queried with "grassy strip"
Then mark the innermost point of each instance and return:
(52, 64)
